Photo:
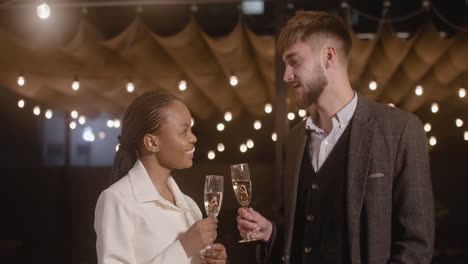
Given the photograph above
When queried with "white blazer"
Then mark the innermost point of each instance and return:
(135, 224)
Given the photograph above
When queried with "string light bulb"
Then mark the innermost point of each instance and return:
(419, 90)
(427, 127)
(211, 155)
(435, 108)
(102, 135)
(21, 81)
(432, 141)
(130, 87)
(220, 147)
(373, 85)
(21, 103)
(302, 112)
(391, 104)
(228, 116)
(75, 84)
(182, 85)
(74, 114)
(233, 81)
(43, 10)
(250, 143)
(459, 122)
(268, 108)
(192, 122)
(49, 114)
(110, 123)
(220, 126)
(274, 137)
(466, 135)
(82, 120)
(462, 92)
(116, 123)
(291, 116)
(243, 148)
(257, 125)
(37, 110)
(72, 125)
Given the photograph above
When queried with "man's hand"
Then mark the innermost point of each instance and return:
(250, 220)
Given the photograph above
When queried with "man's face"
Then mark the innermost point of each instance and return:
(304, 73)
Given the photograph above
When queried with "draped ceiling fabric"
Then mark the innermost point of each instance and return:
(154, 62)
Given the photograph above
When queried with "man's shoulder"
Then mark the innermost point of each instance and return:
(386, 113)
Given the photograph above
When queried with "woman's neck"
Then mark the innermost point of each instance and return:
(159, 175)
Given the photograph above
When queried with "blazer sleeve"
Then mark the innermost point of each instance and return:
(115, 232)
(413, 207)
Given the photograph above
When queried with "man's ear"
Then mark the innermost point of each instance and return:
(329, 54)
(151, 143)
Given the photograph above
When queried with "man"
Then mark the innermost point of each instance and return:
(357, 185)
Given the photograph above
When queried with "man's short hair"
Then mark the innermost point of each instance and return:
(307, 23)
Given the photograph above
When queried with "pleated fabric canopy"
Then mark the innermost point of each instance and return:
(154, 62)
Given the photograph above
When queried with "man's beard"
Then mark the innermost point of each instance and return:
(312, 91)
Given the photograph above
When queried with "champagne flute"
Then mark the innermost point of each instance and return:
(213, 198)
(242, 186)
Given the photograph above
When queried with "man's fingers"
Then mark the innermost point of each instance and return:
(247, 225)
(243, 213)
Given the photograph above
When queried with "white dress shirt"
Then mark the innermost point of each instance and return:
(321, 144)
(135, 224)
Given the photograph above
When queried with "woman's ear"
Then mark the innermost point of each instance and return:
(151, 143)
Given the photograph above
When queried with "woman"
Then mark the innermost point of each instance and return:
(144, 217)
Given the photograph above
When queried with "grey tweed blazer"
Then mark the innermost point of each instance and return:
(389, 203)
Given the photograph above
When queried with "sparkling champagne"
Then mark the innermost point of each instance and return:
(213, 201)
(243, 191)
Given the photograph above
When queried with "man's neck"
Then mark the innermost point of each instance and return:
(330, 102)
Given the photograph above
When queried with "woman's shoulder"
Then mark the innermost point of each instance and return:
(120, 189)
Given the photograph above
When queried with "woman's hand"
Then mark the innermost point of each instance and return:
(201, 234)
(215, 254)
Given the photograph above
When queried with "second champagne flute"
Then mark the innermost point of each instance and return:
(213, 197)
(242, 186)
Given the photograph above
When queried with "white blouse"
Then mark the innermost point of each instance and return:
(135, 224)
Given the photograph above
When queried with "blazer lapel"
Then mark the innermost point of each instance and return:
(359, 155)
(294, 157)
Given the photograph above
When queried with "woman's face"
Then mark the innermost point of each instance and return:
(175, 138)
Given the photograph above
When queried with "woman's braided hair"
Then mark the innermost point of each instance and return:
(143, 116)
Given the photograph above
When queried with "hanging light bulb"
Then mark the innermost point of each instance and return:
(465, 136)
(250, 143)
(291, 116)
(220, 126)
(243, 148)
(130, 87)
(432, 141)
(233, 80)
(37, 110)
(116, 123)
(220, 147)
(49, 114)
(228, 116)
(419, 90)
(21, 103)
(268, 108)
(462, 92)
(88, 135)
(274, 137)
(72, 125)
(82, 120)
(110, 123)
(211, 155)
(43, 10)
(257, 125)
(74, 114)
(373, 85)
(182, 85)
(391, 104)
(76, 84)
(427, 127)
(459, 122)
(21, 81)
(117, 147)
(434, 108)
(302, 112)
(192, 122)
(102, 135)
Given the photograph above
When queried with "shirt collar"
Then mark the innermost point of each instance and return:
(341, 118)
(145, 191)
